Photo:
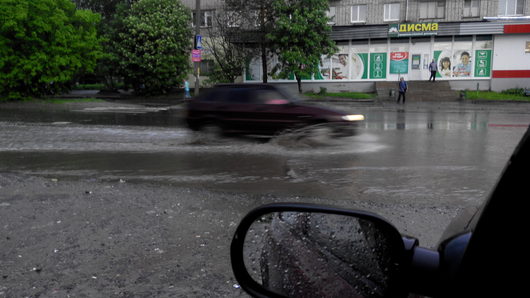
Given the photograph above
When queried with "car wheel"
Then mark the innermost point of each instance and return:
(212, 129)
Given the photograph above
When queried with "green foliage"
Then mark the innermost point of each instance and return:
(43, 45)
(301, 43)
(153, 45)
(514, 91)
(496, 96)
(107, 8)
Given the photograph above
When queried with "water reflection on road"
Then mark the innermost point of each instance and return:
(425, 155)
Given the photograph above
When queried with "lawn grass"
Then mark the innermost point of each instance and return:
(351, 95)
(497, 96)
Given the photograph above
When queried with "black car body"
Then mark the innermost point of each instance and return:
(261, 109)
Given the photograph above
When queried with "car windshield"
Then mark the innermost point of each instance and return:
(135, 135)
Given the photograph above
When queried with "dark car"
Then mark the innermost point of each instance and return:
(301, 250)
(261, 109)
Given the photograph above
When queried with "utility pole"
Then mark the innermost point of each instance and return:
(197, 65)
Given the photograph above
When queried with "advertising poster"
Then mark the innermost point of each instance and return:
(340, 67)
(253, 70)
(359, 66)
(482, 63)
(399, 62)
(377, 65)
(463, 61)
(443, 59)
(325, 66)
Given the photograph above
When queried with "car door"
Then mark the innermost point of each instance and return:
(272, 111)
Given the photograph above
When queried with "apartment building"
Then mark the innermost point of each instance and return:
(484, 43)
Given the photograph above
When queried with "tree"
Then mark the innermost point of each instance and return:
(43, 45)
(154, 46)
(300, 43)
(112, 12)
(256, 20)
(107, 8)
(230, 57)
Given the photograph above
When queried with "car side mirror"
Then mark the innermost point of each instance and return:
(300, 250)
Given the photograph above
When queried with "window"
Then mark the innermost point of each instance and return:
(207, 67)
(471, 8)
(527, 48)
(206, 18)
(391, 12)
(433, 9)
(358, 13)
(511, 7)
(331, 14)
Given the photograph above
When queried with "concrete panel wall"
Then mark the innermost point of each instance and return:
(503, 84)
(509, 52)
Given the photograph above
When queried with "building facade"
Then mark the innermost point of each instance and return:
(481, 44)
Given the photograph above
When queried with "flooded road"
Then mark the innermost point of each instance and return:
(399, 154)
(417, 165)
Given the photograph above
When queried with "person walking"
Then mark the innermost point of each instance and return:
(433, 67)
(402, 89)
(187, 89)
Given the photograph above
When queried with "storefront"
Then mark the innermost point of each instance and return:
(464, 52)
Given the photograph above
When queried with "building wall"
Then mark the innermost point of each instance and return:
(510, 52)
(511, 65)
(359, 38)
(409, 11)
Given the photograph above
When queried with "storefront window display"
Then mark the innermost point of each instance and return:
(483, 46)
(340, 66)
(399, 56)
(378, 58)
(359, 61)
(463, 59)
(443, 55)
(457, 57)
(336, 67)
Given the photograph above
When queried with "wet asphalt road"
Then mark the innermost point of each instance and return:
(122, 200)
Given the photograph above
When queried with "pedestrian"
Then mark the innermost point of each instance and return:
(402, 89)
(187, 89)
(433, 67)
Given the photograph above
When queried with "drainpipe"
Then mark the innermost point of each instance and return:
(407, 11)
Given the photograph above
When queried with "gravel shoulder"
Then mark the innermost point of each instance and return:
(114, 239)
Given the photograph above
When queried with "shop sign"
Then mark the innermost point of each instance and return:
(196, 55)
(415, 29)
(399, 62)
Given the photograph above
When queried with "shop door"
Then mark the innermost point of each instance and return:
(420, 56)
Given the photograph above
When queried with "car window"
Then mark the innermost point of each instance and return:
(270, 97)
(213, 95)
(240, 95)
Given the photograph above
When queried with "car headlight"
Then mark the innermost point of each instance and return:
(353, 117)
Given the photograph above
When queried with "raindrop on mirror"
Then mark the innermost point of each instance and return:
(300, 254)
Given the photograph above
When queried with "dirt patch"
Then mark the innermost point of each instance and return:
(114, 239)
